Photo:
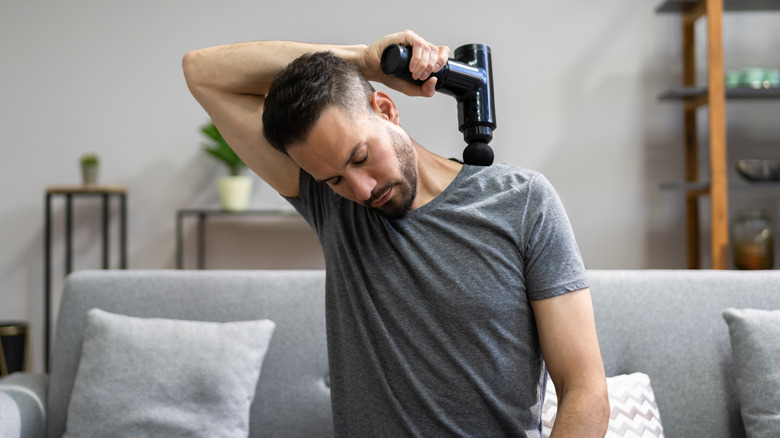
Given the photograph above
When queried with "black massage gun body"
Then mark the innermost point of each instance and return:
(469, 78)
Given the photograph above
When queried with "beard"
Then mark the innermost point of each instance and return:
(400, 205)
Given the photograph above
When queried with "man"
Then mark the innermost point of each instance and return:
(446, 283)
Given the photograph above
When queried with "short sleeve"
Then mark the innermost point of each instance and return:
(552, 259)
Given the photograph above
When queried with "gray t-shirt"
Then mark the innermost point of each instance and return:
(430, 329)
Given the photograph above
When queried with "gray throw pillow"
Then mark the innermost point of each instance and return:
(755, 347)
(166, 378)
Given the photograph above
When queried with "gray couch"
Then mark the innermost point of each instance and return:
(666, 324)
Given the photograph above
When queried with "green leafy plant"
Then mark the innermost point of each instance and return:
(219, 149)
(90, 159)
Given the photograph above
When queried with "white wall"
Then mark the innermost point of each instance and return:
(576, 85)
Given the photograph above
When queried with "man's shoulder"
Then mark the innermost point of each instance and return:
(504, 175)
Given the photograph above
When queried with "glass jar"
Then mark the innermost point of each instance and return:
(752, 240)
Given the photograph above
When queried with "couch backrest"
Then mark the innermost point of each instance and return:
(292, 397)
(668, 324)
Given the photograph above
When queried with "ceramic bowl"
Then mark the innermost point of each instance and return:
(759, 170)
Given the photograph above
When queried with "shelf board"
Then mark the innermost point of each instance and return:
(728, 5)
(704, 186)
(249, 212)
(679, 93)
(90, 189)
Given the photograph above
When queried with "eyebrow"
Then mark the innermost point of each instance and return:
(346, 163)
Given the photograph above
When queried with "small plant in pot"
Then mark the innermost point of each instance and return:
(235, 189)
(89, 168)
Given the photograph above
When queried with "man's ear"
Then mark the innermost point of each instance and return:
(385, 107)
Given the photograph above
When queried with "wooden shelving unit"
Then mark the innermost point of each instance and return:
(714, 96)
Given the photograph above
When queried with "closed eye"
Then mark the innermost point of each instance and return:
(336, 180)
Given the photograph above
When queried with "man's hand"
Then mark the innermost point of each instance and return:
(427, 58)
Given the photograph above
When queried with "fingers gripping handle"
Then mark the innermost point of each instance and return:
(395, 62)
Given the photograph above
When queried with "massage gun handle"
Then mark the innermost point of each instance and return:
(471, 87)
(395, 62)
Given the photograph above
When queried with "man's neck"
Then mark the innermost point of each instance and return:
(435, 173)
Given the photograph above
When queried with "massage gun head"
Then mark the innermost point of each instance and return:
(469, 78)
(478, 153)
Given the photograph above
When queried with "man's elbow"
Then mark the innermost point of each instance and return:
(583, 412)
(594, 402)
(601, 407)
(191, 64)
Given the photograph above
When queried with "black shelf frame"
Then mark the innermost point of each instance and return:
(203, 214)
(105, 193)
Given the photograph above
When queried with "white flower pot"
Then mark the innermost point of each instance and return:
(234, 192)
(89, 174)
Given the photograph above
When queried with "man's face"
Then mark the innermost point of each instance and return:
(364, 158)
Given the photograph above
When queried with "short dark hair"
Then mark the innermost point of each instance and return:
(304, 89)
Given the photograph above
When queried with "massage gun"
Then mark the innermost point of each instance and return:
(469, 78)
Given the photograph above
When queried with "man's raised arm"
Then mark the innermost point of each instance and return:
(231, 82)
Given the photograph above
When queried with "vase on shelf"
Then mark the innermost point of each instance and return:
(89, 169)
(753, 240)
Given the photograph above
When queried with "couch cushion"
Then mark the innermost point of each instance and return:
(162, 377)
(755, 343)
(291, 395)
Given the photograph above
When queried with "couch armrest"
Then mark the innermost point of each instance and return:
(23, 405)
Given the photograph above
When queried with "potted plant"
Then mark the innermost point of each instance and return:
(89, 168)
(235, 189)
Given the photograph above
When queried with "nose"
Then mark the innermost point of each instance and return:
(362, 186)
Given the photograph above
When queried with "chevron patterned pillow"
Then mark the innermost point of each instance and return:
(633, 411)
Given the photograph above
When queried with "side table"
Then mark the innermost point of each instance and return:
(69, 192)
(202, 214)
